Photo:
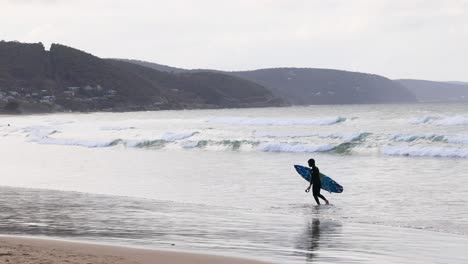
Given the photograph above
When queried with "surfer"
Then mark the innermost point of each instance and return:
(315, 180)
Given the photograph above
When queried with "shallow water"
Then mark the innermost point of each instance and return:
(222, 181)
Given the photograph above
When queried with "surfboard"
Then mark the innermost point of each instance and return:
(328, 184)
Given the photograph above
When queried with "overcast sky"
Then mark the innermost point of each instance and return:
(425, 39)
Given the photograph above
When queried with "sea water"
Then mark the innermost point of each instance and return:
(223, 182)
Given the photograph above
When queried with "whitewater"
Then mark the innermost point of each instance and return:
(223, 180)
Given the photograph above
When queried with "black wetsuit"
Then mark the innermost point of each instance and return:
(317, 184)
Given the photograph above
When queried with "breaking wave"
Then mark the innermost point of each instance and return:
(457, 139)
(431, 137)
(41, 135)
(410, 138)
(425, 151)
(157, 143)
(294, 147)
(78, 142)
(421, 120)
(452, 121)
(345, 137)
(342, 148)
(38, 132)
(440, 121)
(276, 122)
(173, 136)
(220, 144)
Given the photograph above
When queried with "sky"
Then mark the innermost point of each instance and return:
(419, 39)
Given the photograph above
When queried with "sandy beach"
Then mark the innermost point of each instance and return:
(18, 250)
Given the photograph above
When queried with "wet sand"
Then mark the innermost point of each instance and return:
(31, 250)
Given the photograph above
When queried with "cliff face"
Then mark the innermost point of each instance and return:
(306, 86)
(69, 79)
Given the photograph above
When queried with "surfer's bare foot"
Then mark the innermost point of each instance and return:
(326, 202)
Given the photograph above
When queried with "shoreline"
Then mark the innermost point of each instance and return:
(29, 250)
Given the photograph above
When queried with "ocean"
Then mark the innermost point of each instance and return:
(223, 182)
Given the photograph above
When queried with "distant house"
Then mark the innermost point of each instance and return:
(49, 98)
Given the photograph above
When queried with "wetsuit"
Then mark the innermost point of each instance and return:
(317, 184)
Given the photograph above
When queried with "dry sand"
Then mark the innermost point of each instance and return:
(18, 250)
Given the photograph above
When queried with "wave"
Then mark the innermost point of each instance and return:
(173, 136)
(452, 121)
(431, 137)
(421, 120)
(276, 122)
(295, 147)
(356, 137)
(345, 137)
(457, 139)
(78, 142)
(440, 121)
(156, 143)
(411, 138)
(220, 144)
(425, 151)
(38, 132)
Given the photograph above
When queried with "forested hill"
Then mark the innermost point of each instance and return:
(33, 79)
(306, 86)
(430, 91)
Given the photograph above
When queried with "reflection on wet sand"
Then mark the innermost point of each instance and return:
(318, 234)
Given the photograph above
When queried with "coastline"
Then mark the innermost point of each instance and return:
(25, 250)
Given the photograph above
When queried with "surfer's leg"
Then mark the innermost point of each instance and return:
(316, 199)
(316, 193)
(323, 198)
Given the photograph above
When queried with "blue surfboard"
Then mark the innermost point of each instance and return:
(328, 184)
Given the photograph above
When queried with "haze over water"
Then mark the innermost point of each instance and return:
(222, 181)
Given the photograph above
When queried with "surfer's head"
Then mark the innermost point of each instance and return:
(311, 163)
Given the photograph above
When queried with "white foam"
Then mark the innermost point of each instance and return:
(276, 122)
(425, 151)
(116, 128)
(61, 123)
(421, 120)
(354, 137)
(344, 137)
(190, 144)
(38, 132)
(294, 147)
(173, 136)
(440, 121)
(454, 139)
(457, 139)
(77, 142)
(409, 137)
(452, 121)
(284, 135)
